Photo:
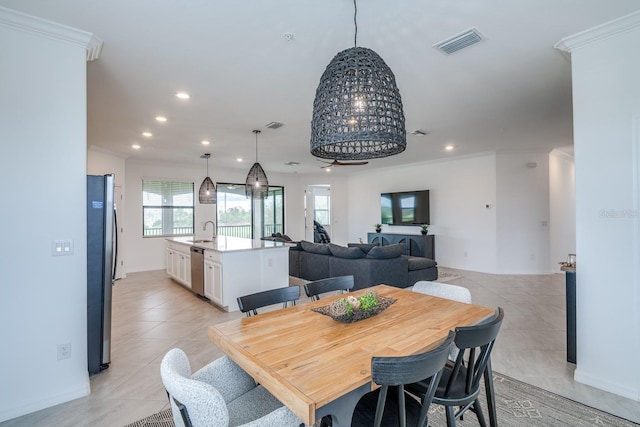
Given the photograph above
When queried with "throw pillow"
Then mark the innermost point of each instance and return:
(389, 251)
(342, 252)
(366, 247)
(316, 248)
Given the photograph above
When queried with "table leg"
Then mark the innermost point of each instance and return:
(341, 409)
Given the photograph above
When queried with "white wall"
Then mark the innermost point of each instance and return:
(43, 165)
(562, 208)
(101, 163)
(465, 231)
(606, 102)
(143, 254)
(522, 213)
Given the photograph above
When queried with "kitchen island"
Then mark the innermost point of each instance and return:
(232, 266)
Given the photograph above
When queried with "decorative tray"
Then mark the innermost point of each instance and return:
(351, 309)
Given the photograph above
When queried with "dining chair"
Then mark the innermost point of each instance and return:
(316, 288)
(460, 382)
(249, 304)
(462, 294)
(220, 394)
(392, 373)
(443, 290)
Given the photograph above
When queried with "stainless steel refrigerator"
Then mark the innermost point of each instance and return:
(102, 256)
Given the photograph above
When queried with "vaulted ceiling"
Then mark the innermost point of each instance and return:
(248, 63)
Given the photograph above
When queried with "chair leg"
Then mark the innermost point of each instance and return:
(478, 410)
(491, 397)
(451, 416)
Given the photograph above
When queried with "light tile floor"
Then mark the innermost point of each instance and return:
(152, 314)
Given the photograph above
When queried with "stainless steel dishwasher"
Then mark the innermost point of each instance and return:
(197, 270)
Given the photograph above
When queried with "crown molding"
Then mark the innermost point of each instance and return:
(599, 33)
(19, 21)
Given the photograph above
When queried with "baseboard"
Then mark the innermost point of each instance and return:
(608, 386)
(29, 407)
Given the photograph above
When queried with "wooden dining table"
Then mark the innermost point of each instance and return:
(317, 366)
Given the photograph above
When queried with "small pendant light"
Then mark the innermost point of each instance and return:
(257, 184)
(207, 193)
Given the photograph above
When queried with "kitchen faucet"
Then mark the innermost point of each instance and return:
(204, 228)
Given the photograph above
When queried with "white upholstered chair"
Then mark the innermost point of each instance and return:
(220, 394)
(443, 290)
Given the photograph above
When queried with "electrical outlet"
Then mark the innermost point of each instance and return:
(64, 351)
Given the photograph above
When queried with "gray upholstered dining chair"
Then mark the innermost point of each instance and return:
(220, 394)
(249, 304)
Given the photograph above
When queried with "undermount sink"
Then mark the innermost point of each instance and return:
(201, 241)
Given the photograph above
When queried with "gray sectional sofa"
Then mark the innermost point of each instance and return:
(369, 264)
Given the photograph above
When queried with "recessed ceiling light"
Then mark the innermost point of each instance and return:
(135, 146)
(239, 159)
(161, 119)
(449, 147)
(147, 134)
(183, 95)
(327, 169)
(205, 142)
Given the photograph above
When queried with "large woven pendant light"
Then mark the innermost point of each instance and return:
(207, 193)
(357, 111)
(257, 184)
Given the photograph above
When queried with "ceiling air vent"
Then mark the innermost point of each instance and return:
(459, 41)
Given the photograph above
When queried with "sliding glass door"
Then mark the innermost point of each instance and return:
(238, 216)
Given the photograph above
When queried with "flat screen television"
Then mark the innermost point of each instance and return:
(405, 208)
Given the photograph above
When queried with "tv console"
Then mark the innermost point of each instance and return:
(415, 244)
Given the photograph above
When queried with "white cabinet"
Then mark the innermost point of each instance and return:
(179, 263)
(213, 281)
(171, 262)
(230, 274)
(232, 267)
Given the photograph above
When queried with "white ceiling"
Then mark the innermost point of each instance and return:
(509, 92)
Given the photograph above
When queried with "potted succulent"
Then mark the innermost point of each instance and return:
(378, 227)
(424, 229)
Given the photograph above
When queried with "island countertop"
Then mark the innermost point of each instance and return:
(228, 244)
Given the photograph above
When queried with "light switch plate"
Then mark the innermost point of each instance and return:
(62, 247)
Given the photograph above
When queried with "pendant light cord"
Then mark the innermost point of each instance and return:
(256, 132)
(355, 23)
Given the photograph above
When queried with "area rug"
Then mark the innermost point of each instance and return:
(445, 276)
(518, 404)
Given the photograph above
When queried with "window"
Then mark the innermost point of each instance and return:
(273, 211)
(234, 211)
(238, 216)
(321, 209)
(167, 208)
